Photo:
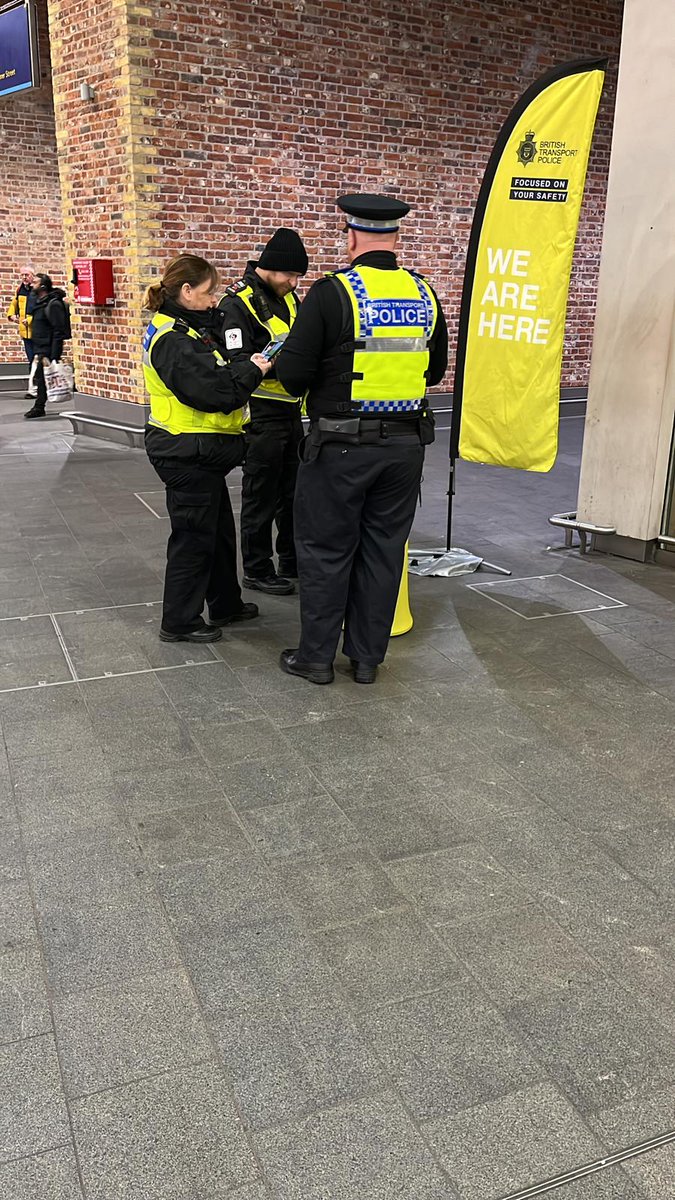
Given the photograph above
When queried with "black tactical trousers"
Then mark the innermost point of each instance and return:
(202, 550)
(267, 493)
(354, 507)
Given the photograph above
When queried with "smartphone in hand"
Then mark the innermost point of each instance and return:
(272, 349)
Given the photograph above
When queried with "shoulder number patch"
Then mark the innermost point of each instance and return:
(234, 339)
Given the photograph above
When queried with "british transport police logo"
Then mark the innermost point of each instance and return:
(527, 150)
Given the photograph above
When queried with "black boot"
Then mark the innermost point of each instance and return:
(204, 633)
(363, 672)
(272, 585)
(314, 672)
(35, 411)
(247, 612)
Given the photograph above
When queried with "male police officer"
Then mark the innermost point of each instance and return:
(366, 343)
(261, 308)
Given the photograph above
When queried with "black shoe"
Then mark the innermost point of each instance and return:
(205, 633)
(314, 672)
(288, 570)
(272, 585)
(363, 672)
(247, 612)
(34, 412)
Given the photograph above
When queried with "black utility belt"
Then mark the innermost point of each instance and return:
(358, 431)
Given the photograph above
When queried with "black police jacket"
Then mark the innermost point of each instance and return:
(237, 317)
(185, 365)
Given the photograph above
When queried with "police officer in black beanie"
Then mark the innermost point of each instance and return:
(260, 309)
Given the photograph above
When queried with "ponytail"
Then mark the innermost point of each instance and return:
(154, 297)
(185, 268)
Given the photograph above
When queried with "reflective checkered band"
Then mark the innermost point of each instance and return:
(389, 406)
(390, 313)
(359, 289)
(428, 306)
(147, 339)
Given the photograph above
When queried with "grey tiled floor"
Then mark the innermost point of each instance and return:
(263, 941)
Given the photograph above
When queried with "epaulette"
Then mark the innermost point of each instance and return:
(235, 288)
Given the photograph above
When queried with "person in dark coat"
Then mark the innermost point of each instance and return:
(50, 327)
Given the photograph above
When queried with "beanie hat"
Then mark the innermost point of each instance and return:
(284, 252)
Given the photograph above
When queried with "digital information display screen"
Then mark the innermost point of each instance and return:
(19, 66)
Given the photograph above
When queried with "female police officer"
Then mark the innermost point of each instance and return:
(198, 407)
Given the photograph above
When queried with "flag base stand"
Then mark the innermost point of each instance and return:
(449, 563)
(451, 560)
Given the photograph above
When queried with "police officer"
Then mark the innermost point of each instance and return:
(367, 342)
(198, 408)
(260, 309)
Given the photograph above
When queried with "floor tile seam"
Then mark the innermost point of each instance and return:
(439, 797)
(292, 754)
(535, 899)
(491, 1001)
(5, 1044)
(209, 795)
(19, 1158)
(106, 990)
(643, 1003)
(37, 923)
(540, 797)
(611, 1160)
(247, 834)
(218, 1058)
(526, 1190)
(504, 1008)
(182, 1068)
(74, 536)
(625, 626)
(389, 1093)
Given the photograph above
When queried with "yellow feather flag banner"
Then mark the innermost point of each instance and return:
(512, 317)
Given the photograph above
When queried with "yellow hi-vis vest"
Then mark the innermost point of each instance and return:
(17, 308)
(394, 317)
(166, 410)
(278, 329)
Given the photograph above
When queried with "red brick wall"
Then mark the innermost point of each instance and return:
(215, 123)
(31, 232)
(263, 115)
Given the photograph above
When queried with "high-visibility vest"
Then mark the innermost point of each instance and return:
(278, 329)
(394, 314)
(166, 410)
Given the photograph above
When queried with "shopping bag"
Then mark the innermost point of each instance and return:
(59, 381)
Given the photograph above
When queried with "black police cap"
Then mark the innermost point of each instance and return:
(373, 214)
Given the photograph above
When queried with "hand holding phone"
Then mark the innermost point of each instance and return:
(263, 364)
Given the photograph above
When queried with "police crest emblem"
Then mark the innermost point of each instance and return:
(527, 150)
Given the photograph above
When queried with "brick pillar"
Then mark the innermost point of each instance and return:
(107, 181)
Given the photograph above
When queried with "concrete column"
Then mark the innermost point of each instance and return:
(631, 404)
